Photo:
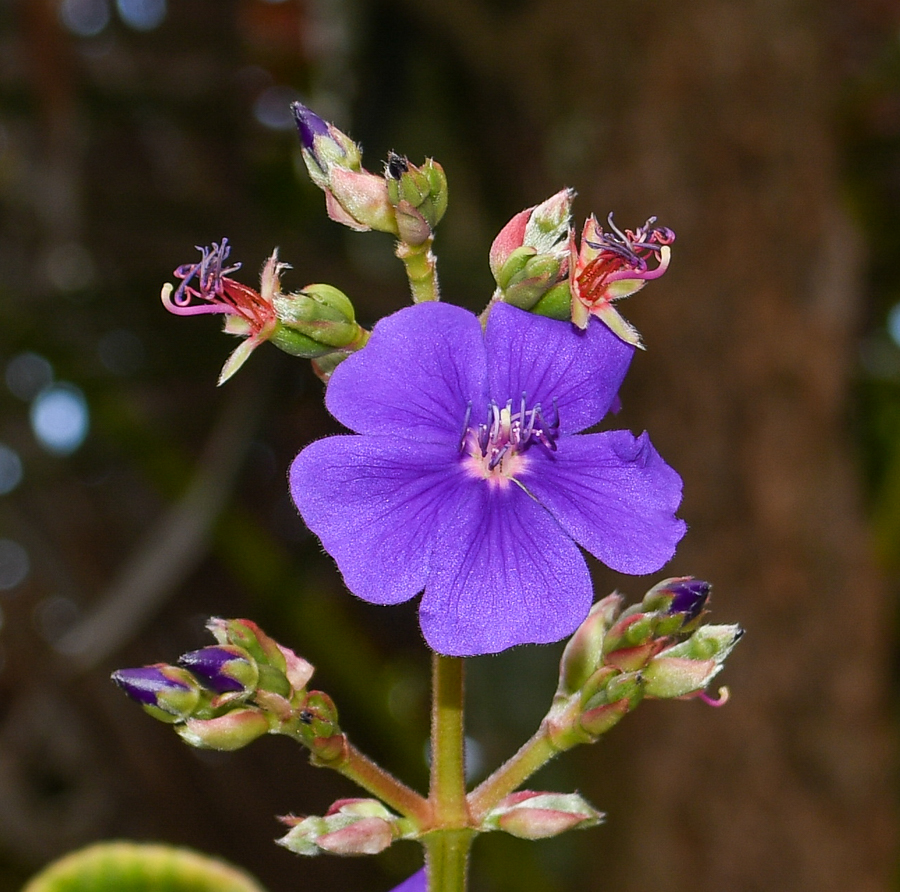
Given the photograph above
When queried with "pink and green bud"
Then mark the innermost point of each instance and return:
(224, 669)
(584, 650)
(530, 815)
(597, 720)
(611, 265)
(232, 731)
(247, 635)
(681, 601)
(166, 692)
(686, 668)
(529, 256)
(351, 827)
(419, 196)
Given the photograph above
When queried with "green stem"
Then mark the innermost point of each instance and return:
(372, 777)
(421, 270)
(447, 846)
(533, 755)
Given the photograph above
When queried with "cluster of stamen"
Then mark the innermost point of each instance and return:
(496, 447)
(206, 288)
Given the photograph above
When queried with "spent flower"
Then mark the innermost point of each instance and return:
(468, 476)
(613, 264)
(313, 323)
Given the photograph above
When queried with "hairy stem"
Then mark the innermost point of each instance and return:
(421, 270)
(447, 846)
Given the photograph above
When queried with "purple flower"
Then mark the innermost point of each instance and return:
(469, 478)
(416, 883)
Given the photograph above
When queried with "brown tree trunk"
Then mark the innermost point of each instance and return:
(717, 117)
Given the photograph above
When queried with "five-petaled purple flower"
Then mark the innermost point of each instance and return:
(469, 477)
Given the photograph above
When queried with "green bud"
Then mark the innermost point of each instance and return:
(531, 815)
(556, 303)
(314, 321)
(584, 650)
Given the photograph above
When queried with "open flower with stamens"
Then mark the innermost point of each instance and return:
(611, 265)
(206, 287)
(469, 477)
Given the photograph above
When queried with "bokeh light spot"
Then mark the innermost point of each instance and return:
(142, 15)
(10, 469)
(14, 564)
(27, 374)
(60, 418)
(893, 324)
(273, 107)
(86, 18)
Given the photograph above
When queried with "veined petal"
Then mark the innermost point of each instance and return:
(503, 573)
(614, 495)
(415, 377)
(552, 361)
(377, 504)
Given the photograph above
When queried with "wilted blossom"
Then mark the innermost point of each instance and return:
(207, 288)
(611, 265)
(468, 477)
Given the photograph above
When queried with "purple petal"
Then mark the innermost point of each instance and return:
(377, 504)
(309, 125)
(503, 574)
(416, 883)
(208, 664)
(415, 378)
(552, 360)
(146, 683)
(614, 495)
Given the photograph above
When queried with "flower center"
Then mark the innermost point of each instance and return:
(495, 450)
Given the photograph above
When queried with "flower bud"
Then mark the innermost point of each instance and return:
(323, 145)
(682, 596)
(688, 667)
(223, 668)
(584, 649)
(231, 731)
(351, 827)
(166, 692)
(314, 321)
(529, 256)
(530, 815)
(248, 636)
(418, 194)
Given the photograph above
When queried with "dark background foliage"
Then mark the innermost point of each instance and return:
(767, 135)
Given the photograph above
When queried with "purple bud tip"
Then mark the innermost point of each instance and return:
(309, 124)
(208, 664)
(690, 597)
(146, 683)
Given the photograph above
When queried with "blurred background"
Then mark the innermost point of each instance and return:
(136, 499)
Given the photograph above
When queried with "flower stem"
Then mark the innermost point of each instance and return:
(421, 270)
(534, 754)
(447, 846)
(372, 777)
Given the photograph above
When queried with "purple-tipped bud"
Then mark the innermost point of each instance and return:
(223, 669)
(167, 692)
(689, 597)
(309, 124)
